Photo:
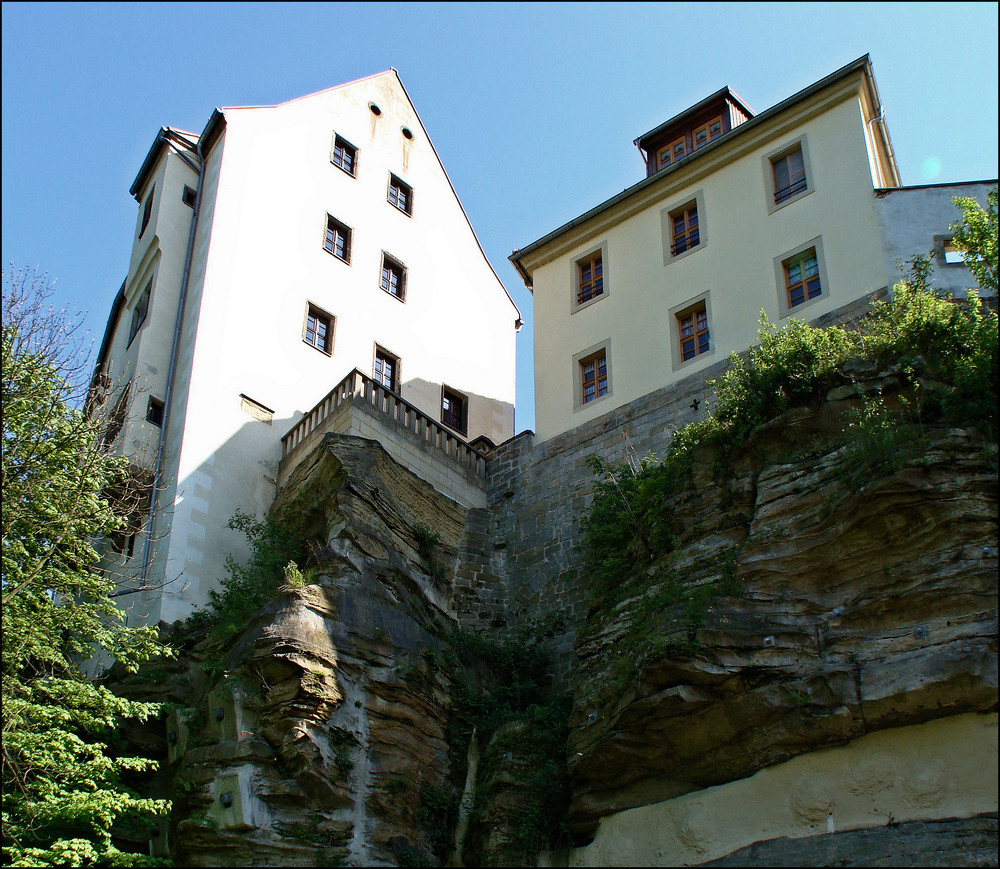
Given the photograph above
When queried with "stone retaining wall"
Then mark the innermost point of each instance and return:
(539, 492)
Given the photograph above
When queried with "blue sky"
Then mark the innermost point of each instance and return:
(532, 107)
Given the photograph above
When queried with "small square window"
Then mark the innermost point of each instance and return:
(802, 278)
(590, 274)
(387, 370)
(147, 211)
(594, 377)
(154, 411)
(393, 279)
(400, 195)
(789, 175)
(338, 239)
(189, 196)
(684, 232)
(454, 409)
(139, 312)
(692, 327)
(671, 153)
(952, 255)
(345, 155)
(707, 132)
(318, 331)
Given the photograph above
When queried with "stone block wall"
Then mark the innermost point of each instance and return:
(539, 492)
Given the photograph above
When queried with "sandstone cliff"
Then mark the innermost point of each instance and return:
(817, 596)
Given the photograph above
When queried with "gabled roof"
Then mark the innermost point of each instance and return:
(216, 124)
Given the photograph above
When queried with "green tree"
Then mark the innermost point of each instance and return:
(976, 238)
(62, 788)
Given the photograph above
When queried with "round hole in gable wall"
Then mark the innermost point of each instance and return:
(375, 109)
(407, 133)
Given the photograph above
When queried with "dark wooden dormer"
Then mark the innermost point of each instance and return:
(692, 129)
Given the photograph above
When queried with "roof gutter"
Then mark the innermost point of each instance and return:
(860, 64)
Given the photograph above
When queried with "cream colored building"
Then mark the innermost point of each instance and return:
(739, 213)
(277, 252)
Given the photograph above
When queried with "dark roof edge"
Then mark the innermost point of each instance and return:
(102, 354)
(693, 110)
(166, 135)
(883, 190)
(861, 63)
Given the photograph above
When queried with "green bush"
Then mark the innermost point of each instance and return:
(275, 548)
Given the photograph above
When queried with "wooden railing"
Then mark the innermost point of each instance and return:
(359, 386)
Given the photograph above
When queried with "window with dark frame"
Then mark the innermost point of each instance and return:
(591, 278)
(386, 370)
(117, 418)
(189, 196)
(147, 211)
(344, 155)
(393, 279)
(684, 233)
(318, 330)
(139, 312)
(789, 175)
(453, 410)
(154, 411)
(693, 328)
(338, 239)
(400, 195)
(802, 280)
(594, 376)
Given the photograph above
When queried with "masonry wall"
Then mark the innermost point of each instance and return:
(539, 492)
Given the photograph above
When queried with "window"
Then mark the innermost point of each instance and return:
(693, 329)
(189, 196)
(590, 274)
(147, 211)
(154, 411)
(400, 195)
(453, 410)
(338, 239)
(672, 152)
(594, 376)
(952, 255)
(802, 279)
(684, 233)
(345, 155)
(139, 312)
(318, 331)
(393, 279)
(117, 418)
(707, 132)
(789, 176)
(386, 370)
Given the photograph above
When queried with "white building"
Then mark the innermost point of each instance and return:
(275, 254)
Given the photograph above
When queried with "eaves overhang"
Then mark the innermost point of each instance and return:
(644, 139)
(166, 137)
(862, 65)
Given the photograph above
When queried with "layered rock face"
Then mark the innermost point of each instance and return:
(817, 594)
(820, 596)
(322, 732)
